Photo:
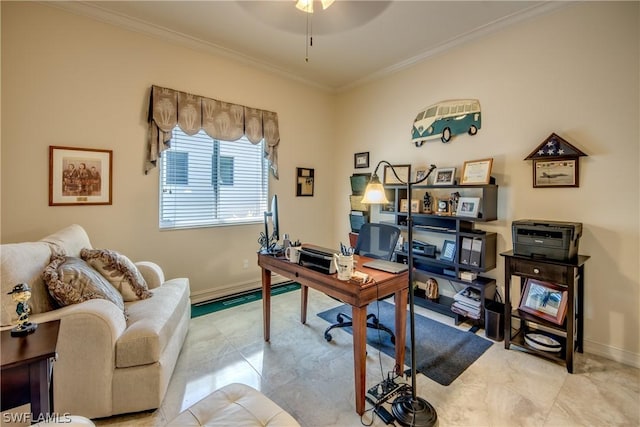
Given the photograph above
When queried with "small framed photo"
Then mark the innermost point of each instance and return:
(444, 176)
(555, 173)
(448, 251)
(361, 160)
(79, 176)
(468, 206)
(305, 182)
(403, 173)
(545, 300)
(476, 172)
(420, 174)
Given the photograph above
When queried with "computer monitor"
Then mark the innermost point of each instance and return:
(271, 228)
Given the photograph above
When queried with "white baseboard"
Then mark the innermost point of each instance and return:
(238, 288)
(618, 355)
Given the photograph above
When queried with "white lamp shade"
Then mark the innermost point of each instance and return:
(374, 193)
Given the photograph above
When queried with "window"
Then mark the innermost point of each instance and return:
(206, 182)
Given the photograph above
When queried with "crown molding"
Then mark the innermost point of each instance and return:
(98, 13)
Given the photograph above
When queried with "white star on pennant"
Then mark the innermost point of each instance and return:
(550, 152)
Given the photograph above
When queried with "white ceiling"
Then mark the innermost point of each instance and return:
(353, 41)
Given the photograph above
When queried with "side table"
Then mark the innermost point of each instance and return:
(26, 374)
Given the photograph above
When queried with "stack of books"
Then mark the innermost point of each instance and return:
(467, 303)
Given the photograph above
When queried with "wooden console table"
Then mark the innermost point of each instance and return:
(567, 274)
(27, 369)
(358, 296)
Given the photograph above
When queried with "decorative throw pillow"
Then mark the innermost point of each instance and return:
(71, 280)
(119, 271)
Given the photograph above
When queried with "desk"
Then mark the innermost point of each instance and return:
(357, 296)
(26, 369)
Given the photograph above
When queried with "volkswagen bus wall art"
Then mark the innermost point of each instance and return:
(446, 119)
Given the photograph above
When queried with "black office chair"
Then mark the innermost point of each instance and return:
(374, 241)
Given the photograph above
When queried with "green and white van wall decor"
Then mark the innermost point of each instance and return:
(446, 119)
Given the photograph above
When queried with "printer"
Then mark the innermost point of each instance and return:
(553, 240)
(317, 258)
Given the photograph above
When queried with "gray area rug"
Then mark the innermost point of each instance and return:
(442, 352)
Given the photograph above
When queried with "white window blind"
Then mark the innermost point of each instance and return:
(206, 182)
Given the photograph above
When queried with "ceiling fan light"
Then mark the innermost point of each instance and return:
(306, 5)
(326, 3)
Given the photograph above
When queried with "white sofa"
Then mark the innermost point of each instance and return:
(107, 364)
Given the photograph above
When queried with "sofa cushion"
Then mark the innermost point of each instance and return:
(69, 241)
(151, 323)
(23, 263)
(71, 280)
(119, 271)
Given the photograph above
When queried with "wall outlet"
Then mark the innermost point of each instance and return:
(245, 263)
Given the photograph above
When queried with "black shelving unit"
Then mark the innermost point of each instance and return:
(456, 229)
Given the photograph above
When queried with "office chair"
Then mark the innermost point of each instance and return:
(374, 241)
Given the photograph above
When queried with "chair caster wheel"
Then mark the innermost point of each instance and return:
(328, 337)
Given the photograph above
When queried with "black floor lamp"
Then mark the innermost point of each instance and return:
(409, 410)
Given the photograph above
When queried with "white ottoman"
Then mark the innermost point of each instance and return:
(235, 405)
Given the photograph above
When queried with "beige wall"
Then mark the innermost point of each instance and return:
(68, 80)
(574, 72)
(73, 81)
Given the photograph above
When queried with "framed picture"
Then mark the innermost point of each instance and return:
(403, 172)
(476, 172)
(79, 176)
(448, 251)
(420, 174)
(468, 206)
(361, 160)
(555, 173)
(304, 182)
(545, 300)
(444, 176)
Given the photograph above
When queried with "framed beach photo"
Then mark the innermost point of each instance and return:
(79, 176)
(476, 172)
(444, 176)
(545, 300)
(403, 172)
(468, 206)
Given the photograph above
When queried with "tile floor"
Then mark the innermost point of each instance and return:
(313, 379)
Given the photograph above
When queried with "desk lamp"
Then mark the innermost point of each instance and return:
(408, 410)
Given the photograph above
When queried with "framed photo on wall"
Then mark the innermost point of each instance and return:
(555, 173)
(545, 300)
(305, 182)
(361, 160)
(79, 176)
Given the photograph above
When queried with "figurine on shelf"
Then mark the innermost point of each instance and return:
(426, 203)
(453, 202)
(432, 289)
(21, 293)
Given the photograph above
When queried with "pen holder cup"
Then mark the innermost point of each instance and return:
(344, 266)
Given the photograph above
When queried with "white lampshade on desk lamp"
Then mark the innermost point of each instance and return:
(409, 410)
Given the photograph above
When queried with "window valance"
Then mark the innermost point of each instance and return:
(220, 120)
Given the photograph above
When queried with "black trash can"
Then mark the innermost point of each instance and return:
(494, 320)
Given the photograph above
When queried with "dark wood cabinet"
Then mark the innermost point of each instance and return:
(569, 275)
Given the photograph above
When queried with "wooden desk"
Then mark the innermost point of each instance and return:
(358, 296)
(26, 369)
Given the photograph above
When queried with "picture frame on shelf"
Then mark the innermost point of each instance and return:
(476, 172)
(80, 176)
(444, 176)
(448, 251)
(468, 207)
(545, 300)
(403, 172)
(420, 174)
(555, 173)
(305, 182)
(361, 160)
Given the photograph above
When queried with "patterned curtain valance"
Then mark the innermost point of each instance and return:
(220, 120)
